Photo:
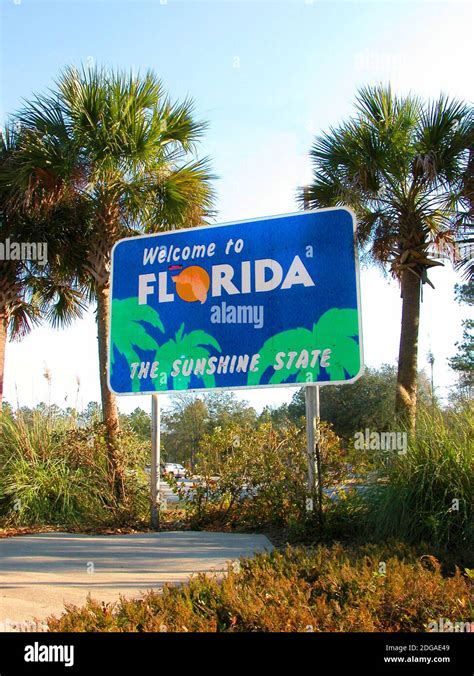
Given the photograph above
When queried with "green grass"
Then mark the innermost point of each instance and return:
(429, 496)
(52, 473)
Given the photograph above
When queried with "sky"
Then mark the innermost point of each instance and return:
(267, 76)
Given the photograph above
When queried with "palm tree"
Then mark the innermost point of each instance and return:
(336, 329)
(401, 165)
(18, 311)
(114, 144)
(31, 290)
(465, 236)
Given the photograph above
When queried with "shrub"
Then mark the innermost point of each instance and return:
(54, 473)
(429, 494)
(321, 589)
(254, 476)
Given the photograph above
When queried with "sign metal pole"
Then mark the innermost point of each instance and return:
(155, 462)
(313, 451)
(312, 430)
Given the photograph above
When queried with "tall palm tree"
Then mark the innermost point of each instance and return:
(31, 290)
(465, 239)
(115, 143)
(401, 165)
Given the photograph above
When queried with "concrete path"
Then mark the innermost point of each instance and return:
(39, 573)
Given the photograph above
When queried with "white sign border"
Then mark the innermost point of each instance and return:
(245, 387)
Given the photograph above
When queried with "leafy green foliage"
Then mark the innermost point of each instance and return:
(35, 289)
(52, 472)
(190, 418)
(400, 163)
(139, 422)
(463, 361)
(464, 293)
(429, 491)
(114, 141)
(111, 149)
(367, 403)
(255, 477)
(404, 167)
(184, 425)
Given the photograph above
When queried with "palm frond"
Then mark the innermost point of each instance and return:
(405, 168)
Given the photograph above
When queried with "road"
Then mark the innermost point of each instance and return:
(39, 573)
(168, 495)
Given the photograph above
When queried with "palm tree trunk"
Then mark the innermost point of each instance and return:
(405, 402)
(3, 344)
(109, 400)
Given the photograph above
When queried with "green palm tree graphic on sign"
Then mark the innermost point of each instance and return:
(186, 346)
(337, 329)
(128, 334)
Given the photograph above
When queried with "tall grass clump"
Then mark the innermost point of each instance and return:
(429, 493)
(53, 473)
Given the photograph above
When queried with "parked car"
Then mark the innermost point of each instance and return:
(174, 468)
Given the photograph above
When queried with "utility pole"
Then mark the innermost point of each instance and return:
(155, 462)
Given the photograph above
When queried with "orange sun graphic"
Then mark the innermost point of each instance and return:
(192, 284)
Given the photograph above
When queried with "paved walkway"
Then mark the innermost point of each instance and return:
(39, 573)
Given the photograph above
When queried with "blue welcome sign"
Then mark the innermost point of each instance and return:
(265, 302)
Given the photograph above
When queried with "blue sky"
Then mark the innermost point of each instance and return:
(267, 76)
